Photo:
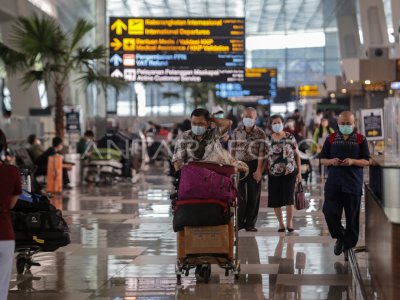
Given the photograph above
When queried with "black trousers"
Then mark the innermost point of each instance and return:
(333, 208)
(249, 198)
(65, 177)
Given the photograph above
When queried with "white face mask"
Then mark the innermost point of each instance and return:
(278, 127)
(248, 122)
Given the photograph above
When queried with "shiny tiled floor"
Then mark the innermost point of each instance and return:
(123, 247)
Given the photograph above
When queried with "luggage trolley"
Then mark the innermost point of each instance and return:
(229, 258)
(29, 241)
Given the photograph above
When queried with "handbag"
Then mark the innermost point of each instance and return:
(300, 199)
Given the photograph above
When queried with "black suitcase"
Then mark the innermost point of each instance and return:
(207, 214)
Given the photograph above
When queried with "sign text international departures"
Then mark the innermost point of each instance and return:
(177, 49)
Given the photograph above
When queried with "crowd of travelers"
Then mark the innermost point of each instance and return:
(268, 146)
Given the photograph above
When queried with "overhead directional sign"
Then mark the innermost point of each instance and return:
(309, 91)
(178, 49)
(259, 83)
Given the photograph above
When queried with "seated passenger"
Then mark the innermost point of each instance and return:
(198, 143)
(42, 160)
(84, 143)
(35, 149)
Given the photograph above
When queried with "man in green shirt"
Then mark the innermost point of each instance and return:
(84, 142)
(35, 149)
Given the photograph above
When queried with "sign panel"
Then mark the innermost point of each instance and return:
(259, 83)
(309, 91)
(285, 94)
(177, 49)
(372, 124)
(73, 124)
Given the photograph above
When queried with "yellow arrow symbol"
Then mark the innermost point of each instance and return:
(116, 44)
(119, 26)
(373, 133)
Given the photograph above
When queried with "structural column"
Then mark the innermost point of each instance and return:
(373, 22)
(396, 25)
(349, 38)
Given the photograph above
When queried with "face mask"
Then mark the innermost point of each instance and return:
(219, 116)
(248, 122)
(198, 130)
(277, 127)
(2, 155)
(346, 129)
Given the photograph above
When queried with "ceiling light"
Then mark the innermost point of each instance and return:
(344, 91)
(332, 95)
(367, 81)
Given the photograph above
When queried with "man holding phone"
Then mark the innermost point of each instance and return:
(345, 152)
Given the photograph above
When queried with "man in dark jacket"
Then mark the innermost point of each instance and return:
(345, 153)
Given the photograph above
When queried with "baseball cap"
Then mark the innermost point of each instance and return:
(217, 109)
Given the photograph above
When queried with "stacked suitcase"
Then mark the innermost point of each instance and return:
(205, 217)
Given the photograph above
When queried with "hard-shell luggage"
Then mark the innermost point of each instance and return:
(55, 174)
(201, 183)
(200, 212)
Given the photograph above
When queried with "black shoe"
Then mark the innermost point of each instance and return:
(338, 249)
(253, 229)
(346, 255)
(282, 229)
(290, 229)
(67, 187)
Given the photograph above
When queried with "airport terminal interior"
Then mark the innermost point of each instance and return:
(202, 149)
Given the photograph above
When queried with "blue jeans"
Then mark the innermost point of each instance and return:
(6, 260)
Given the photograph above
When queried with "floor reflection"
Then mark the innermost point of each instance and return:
(123, 247)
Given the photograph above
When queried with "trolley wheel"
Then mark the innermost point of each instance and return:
(226, 272)
(206, 273)
(20, 264)
(237, 276)
(178, 279)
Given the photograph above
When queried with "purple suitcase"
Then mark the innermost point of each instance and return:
(202, 183)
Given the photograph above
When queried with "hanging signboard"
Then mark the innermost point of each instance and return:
(177, 49)
(73, 124)
(372, 124)
(259, 83)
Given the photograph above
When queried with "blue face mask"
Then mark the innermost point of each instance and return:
(277, 127)
(219, 116)
(248, 122)
(198, 130)
(346, 129)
